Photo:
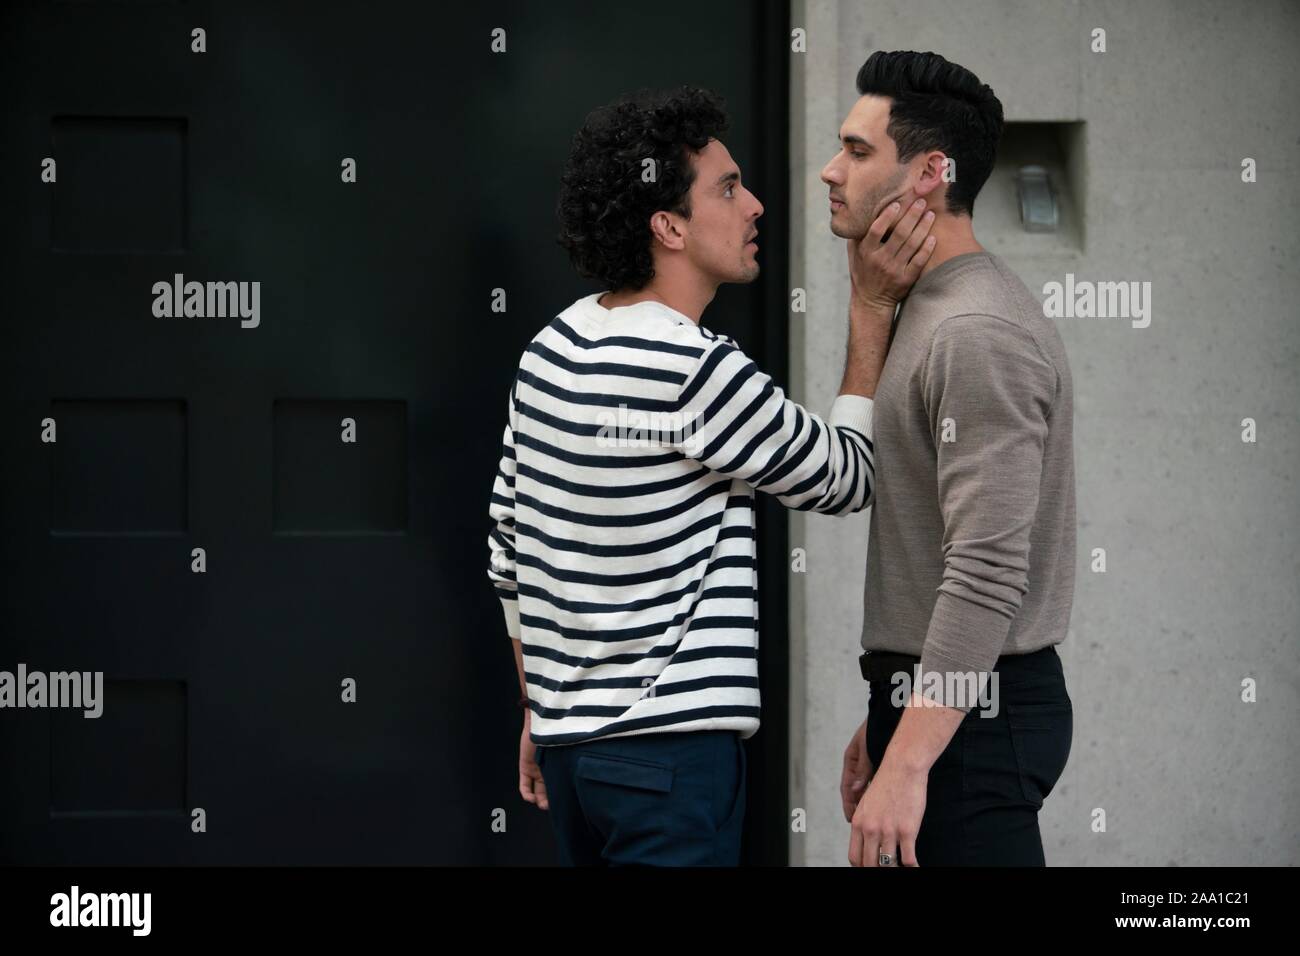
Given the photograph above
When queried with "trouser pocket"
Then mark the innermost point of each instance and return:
(737, 806)
(626, 772)
(1041, 735)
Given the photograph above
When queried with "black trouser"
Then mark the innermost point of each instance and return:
(663, 799)
(985, 790)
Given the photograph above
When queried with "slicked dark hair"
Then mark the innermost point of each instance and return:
(604, 205)
(938, 105)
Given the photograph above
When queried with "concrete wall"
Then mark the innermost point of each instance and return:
(1199, 527)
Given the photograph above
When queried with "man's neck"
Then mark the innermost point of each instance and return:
(954, 237)
(690, 300)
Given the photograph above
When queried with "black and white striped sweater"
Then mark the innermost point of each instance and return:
(622, 543)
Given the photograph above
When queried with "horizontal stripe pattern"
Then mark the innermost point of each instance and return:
(622, 539)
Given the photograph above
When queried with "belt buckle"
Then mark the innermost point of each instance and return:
(862, 665)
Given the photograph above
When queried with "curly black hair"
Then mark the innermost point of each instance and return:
(605, 202)
(938, 105)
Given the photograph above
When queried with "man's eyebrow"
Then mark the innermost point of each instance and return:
(853, 138)
(733, 176)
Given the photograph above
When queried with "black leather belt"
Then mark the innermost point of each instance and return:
(881, 666)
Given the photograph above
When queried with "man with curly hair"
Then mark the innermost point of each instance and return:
(622, 545)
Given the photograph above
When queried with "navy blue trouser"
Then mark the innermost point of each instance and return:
(985, 790)
(664, 799)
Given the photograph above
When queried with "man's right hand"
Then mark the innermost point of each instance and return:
(532, 785)
(881, 273)
(857, 772)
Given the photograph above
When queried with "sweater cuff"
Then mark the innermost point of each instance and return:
(510, 606)
(855, 411)
(964, 639)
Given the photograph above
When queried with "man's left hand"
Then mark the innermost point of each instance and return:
(888, 817)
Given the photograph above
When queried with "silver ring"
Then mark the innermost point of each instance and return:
(886, 860)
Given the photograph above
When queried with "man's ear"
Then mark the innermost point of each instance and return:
(938, 170)
(663, 226)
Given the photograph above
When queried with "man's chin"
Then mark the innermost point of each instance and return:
(844, 231)
(744, 276)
